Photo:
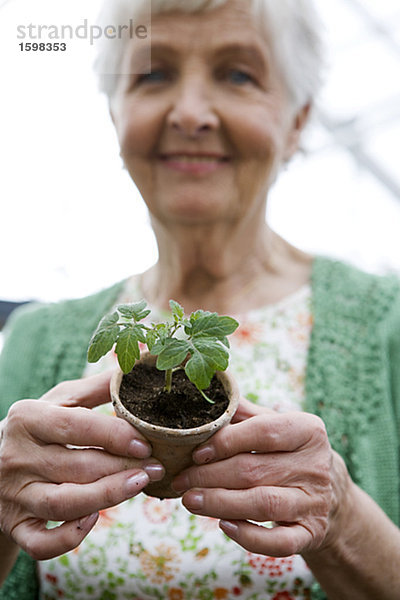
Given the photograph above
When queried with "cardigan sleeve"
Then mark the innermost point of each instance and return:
(17, 363)
(47, 343)
(394, 352)
(44, 344)
(394, 357)
(24, 332)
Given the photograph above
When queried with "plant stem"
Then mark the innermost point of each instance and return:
(206, 397)
(168, 380)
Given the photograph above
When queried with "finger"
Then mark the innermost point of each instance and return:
(247, 409)
(87, 392)
(262, 503)
(69, 501)
(77, 426)
(282, 540)
(42, 543)
(83, 465)
(267, 432)
(248, 470)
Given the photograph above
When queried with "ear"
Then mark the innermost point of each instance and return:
(299, 122)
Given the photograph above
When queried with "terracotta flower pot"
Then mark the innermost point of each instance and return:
(174, 447)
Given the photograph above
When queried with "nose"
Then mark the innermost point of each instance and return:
(192, 112)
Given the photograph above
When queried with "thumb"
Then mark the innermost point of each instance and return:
(87, 392)
(247, 409)
(41, 543)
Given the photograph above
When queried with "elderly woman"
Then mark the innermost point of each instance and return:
(307, 511)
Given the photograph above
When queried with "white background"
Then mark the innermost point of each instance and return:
(72, 221)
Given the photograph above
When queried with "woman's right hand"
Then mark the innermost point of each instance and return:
(43, 478)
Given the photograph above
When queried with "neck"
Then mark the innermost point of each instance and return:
(224, 269)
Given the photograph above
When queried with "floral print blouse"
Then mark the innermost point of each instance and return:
(148, 549)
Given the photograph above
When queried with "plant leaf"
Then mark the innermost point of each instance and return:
(214, 326)
(108, 321)
(127, 348)
(158, 347)
(102, 342)
(187, 326)
(140, 334)
(126, 310)
(173, 354)
(142, 315)
(151, 338)
(225, 342)
(176, 309)
(134, 311)
(162, 330)
(197, 314)
(208, 356)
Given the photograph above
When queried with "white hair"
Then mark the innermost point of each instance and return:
(293, 28)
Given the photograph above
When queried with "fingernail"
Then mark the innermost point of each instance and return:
(155, 471)
(136, 483)
(194, 500)
(86, 523)
(204, 454)
(139, 449)
(231, 529)
(181, 483)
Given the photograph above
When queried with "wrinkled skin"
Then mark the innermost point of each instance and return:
(267, 467)
(44, 479)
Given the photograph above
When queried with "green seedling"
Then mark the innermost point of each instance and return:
(198, 343)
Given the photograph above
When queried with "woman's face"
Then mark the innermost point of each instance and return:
(203, 135)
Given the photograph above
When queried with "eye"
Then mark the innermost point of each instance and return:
(239, 77)
(156, 76)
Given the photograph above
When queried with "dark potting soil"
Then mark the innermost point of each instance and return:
(142, 393)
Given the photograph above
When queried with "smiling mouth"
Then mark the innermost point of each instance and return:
(194, 158)
(194, 165)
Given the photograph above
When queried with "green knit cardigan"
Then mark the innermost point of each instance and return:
(352, 379)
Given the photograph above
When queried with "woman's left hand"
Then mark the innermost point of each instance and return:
(266, 467)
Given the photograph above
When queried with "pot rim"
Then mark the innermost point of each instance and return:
(229, 384)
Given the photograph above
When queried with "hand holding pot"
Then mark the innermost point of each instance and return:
(269, 467)
(43, 478)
